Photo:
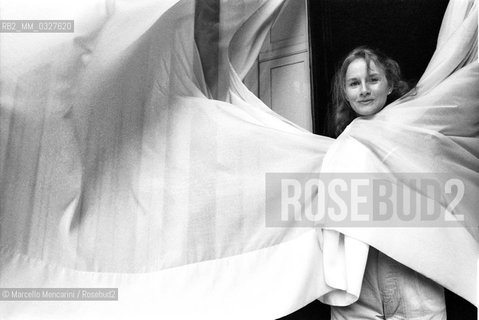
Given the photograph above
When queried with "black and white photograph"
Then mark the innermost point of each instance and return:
(239, 159)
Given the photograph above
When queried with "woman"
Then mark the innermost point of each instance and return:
(347, 92)
(366, 81)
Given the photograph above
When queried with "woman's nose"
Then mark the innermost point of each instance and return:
(365, 90)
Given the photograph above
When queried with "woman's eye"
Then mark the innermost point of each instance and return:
(353, 84)
(374, 80)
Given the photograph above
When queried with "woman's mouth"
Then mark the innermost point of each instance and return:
(367, 101)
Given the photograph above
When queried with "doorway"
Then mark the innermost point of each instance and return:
(405, 30)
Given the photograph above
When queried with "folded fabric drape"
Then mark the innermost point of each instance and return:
(118, 170)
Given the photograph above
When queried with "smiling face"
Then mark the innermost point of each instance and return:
(366, 90)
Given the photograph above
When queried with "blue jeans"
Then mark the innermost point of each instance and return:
(393, 291)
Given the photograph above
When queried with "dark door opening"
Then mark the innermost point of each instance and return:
(406, 30)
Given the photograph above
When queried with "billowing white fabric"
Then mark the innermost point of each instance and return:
(117, 170)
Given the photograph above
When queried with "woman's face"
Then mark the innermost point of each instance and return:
(366, 90)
